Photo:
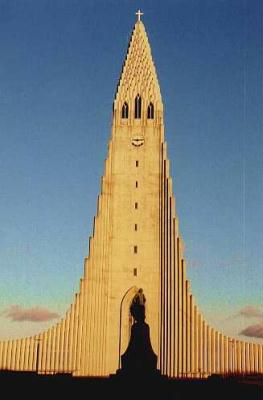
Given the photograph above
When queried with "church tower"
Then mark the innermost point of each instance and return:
(125, 250)
(135, 244)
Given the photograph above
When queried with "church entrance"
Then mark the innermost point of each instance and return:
(126, 320)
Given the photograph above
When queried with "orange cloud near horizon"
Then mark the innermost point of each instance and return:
(18, 313)
(251, 312)
(255, 331)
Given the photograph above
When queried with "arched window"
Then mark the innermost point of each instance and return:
(125, 110)
(138, 106)
(150, 111)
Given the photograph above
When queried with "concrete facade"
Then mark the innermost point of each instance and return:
(136, 243)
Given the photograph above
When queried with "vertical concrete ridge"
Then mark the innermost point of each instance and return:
(198, 349)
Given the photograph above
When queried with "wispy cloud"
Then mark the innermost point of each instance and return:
(253, 331)
(191, 263)
(247, 312)
(34, 314)
(232, 261)
(251, 312)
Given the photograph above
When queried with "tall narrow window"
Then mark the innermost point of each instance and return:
(137, 163)
(150, 111)
(135, 249)
(138, 106)
(125, 111)
(135, 227)
(136, 184)
(136, 205)
(135, 271)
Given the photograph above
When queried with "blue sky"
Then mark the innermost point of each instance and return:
(60, 64)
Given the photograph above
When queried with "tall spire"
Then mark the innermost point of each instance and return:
(138, 73)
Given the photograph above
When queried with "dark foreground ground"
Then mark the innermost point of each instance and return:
(30, 385)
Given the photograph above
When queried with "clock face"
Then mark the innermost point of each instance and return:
(137, 140)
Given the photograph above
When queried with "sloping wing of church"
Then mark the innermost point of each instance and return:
(136, 244)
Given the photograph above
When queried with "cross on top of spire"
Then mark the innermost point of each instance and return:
(139, 14)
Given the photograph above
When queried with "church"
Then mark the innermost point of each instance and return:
(135, 249)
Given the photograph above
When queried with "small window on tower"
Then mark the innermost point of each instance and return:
(125, 111)
(137, 163)
(135, 249)
(135, 227)
(138, 107)
(136, 184)
(136, 206)
(135, 271)
(150, 111)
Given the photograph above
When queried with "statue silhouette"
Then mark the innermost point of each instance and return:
(139, 357)
(137, 308)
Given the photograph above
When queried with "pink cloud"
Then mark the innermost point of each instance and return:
(250, 312)
(34, 314)
(253, 331)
